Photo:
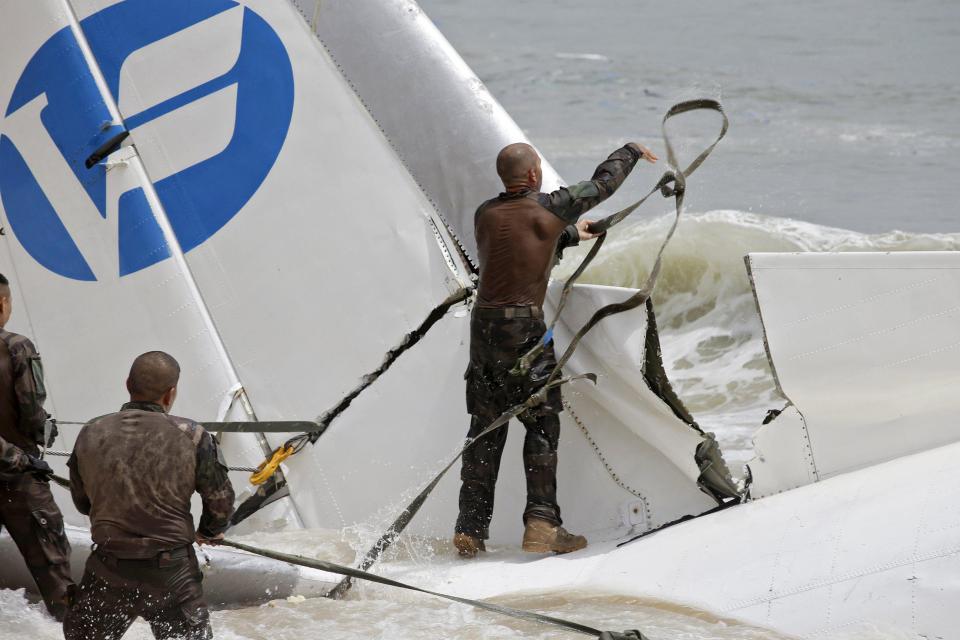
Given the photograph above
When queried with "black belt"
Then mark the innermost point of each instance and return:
(160, 559)
(509, 312)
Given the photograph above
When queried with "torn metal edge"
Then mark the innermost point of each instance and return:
(776, 381)
(715, 478)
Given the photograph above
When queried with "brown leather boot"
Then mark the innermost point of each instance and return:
(540, 536)
(468, 546)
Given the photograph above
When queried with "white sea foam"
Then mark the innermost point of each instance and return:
(710, 331)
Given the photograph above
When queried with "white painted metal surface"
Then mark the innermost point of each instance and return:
(401, 65)
(638, 435)
(865, 346)
(289, 239)
(328, 252)
(874, 548)
(87, 353)
(784, 458)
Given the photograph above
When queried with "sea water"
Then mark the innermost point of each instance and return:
(374, 611)
(844, 136)
(710, 331)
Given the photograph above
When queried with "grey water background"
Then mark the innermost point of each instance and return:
(844, 136)
(843, 113)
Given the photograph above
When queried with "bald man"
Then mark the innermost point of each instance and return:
(520, 235)
(134, 473)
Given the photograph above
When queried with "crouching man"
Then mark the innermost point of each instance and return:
(134, 472)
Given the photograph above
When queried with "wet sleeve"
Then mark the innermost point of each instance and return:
(569, 238)
(213, 485)
(571, 202)
(12, 457)
(29, 390)
(77, 491)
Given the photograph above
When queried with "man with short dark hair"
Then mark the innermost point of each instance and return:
(134, 472)
(519, 236)
(27, 508)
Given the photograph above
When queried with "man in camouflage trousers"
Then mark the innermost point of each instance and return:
(27, 508)
(520, 234)
(134, 472)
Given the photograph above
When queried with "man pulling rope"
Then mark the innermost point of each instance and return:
(517, 238)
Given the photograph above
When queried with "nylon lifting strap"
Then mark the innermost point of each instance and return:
(67, 454)
(271, 490)
(265, 494)
(679, 180)
(330, 567)
(395, 529)
(409, 340)
(263, 475)
(268, 426)
(675, 176)
(268, 493)
(314, 429)
(391, 356)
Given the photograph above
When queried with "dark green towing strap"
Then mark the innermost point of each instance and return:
(269, 426)
(675, 177)
(409, 340)
(311, 431)
(330, 567)
(395, 529)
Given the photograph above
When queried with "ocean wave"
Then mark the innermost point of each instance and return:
(590, 57)
(710, 331)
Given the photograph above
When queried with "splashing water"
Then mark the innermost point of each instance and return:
(374, 611)
(710, 330)
(384, 615)
(713, 349)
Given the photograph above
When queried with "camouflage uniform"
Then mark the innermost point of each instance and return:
(27, 508)
(12, 458)
(519, 236)
(134, 473)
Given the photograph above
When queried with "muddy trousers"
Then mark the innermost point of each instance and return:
(498, 337)
(481, 465)
(32, 519)
(165, 591)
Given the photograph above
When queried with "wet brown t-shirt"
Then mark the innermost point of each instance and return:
(134, 473)
(517, 232)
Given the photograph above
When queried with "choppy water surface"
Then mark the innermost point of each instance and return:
(372, 611)
(842, 112)
(710, 331)
(396, 617)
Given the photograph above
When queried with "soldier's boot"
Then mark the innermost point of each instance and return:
(541, 536)
(468, 546)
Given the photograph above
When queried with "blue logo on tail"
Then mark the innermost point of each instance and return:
(57, 102)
